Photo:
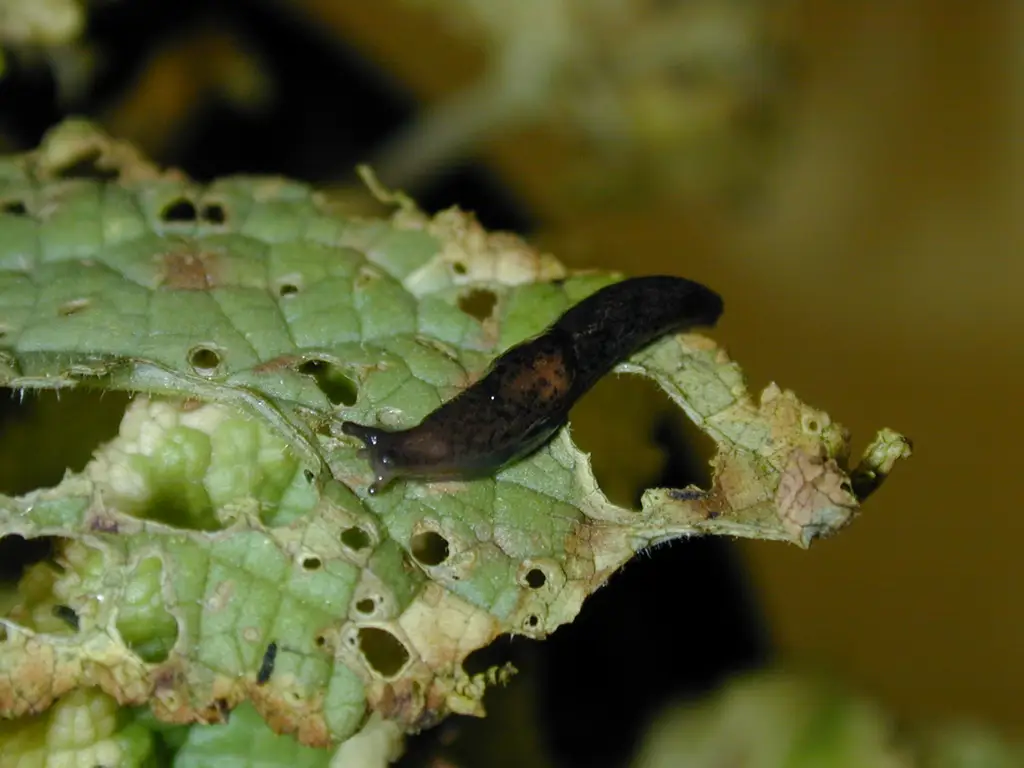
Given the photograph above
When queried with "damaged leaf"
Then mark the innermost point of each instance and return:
(223, 548)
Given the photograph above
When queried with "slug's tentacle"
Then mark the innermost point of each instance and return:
(526, 396)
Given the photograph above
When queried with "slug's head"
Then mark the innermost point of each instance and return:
(427, 451)
(379, 450)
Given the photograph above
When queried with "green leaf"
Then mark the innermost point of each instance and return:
(245, 742)
(230, 515)
(84, 728)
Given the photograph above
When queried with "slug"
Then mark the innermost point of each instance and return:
(525, 396)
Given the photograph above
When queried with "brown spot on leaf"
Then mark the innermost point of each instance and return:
(278, 363)
(580, 547)
(188, 269)
(103, 524)
(166, 676)
(222, 596)
(73, 307)
(813, 497)
(287, 711)
(252, 634)
(403, 701)
(170, 700)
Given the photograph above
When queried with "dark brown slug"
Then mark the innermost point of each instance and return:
(525, 397)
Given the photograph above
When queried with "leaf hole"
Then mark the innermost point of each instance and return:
(87, 166)
(14, 207)
(308, 474)
(366, 605)
(637, 439)
(224, 708)
(535, 578)
(143, 621)
(18, 553)
(213, 213)
(368, 275)
(532, 621)
(170, 503)
(45, 433)
(73, 307)
(355, 538)
(429, 547)
(311, 563)
(384, 652)
(287, 289)
(177, 211)
(459, 268)
(320, 641)
(204, 360)
(337, 386)
(66, 614)
(478, 303)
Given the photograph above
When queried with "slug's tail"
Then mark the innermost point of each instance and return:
(621, 319)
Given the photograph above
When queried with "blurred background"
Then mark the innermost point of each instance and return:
(848, 175)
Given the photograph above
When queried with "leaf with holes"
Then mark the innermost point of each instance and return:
(223, 547)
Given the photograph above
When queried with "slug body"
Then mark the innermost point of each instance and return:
(526, 396)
